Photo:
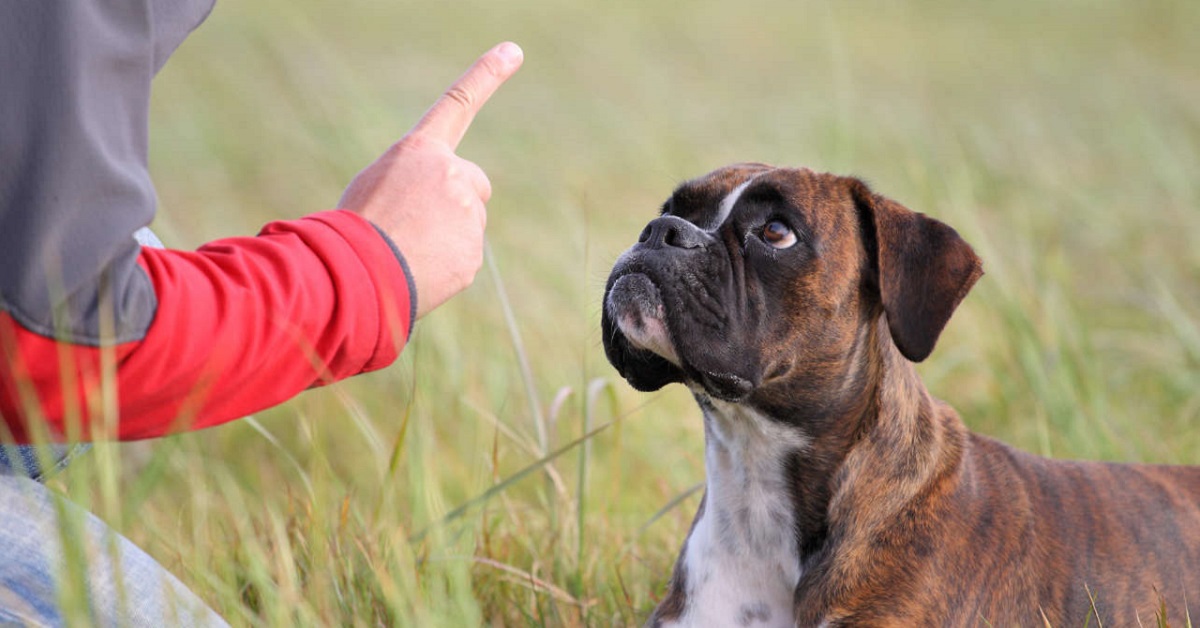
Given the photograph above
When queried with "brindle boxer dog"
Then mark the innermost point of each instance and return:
(839, 492)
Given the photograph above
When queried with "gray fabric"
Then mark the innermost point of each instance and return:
(412, 285)
(39, 462)
(74, 99)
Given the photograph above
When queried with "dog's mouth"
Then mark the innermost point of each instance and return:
(641, 343)
(636, 306)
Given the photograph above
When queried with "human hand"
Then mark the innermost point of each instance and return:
(428, 200)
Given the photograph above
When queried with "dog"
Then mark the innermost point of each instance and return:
(838, 491)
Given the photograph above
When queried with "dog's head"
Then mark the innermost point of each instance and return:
(753, 276)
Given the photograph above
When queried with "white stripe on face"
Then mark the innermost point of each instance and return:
(727, 204)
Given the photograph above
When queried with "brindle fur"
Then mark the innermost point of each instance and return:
(903, 517)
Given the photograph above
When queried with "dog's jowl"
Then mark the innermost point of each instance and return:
(839, 492)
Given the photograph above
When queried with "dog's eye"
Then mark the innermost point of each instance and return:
(778, 235)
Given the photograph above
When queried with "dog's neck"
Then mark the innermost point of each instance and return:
(776, 484)
(908, 446)
(741, 562)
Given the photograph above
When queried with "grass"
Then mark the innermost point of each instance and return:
(500, 473)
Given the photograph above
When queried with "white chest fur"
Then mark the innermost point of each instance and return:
(741, 559)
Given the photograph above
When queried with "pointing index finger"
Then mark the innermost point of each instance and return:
(450, 117)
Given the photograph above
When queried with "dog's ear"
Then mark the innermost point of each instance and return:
(923, 269)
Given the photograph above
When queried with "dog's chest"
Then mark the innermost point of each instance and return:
(742, 562)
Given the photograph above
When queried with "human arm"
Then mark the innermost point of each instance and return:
(119, 341)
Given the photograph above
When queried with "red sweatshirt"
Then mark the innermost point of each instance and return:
(193, 339)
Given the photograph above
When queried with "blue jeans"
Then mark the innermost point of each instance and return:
(52, 551)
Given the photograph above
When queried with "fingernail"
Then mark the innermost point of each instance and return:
(510, 52)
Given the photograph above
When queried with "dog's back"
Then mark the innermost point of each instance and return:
(1081, 537)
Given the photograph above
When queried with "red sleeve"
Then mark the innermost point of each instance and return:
(242, 324)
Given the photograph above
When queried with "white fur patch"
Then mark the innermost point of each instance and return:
(727, 203)
(742, 561)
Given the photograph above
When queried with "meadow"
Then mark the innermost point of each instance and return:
(501, 473)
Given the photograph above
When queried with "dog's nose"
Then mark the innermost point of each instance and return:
(672, 231)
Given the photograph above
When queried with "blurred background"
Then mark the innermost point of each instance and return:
(501, 473)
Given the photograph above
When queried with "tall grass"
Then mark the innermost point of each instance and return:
(501, 473)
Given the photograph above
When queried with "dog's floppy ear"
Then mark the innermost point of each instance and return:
(924, 269)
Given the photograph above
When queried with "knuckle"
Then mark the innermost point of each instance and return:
(413, 142)
(483, 183)
(419, 142)
(478, 180)
(461, 95)
(467, 275)
(492, 66)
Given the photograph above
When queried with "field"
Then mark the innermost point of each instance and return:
(501, 473)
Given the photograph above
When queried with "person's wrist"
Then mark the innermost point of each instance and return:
(413, 294)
